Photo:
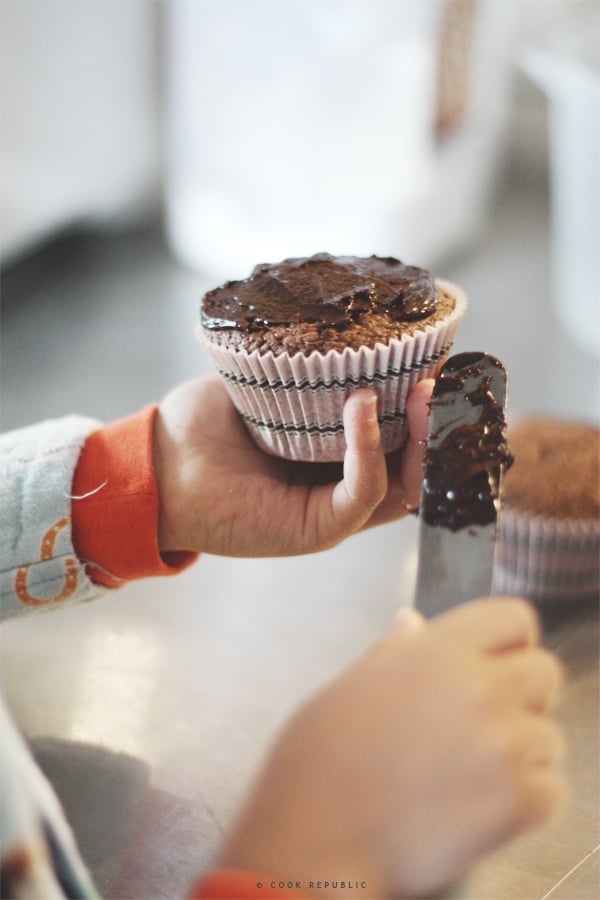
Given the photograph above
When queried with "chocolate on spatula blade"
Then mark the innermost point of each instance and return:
(465, 458)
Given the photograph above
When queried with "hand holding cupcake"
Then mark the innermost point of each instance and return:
(221, 494)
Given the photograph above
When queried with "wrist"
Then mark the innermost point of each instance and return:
(115, 503)
(283, 840)
(164, 455)
(308, 876)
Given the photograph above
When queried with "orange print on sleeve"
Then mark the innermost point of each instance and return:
(46, 553)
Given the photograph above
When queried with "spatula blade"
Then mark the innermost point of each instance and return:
(464, 462)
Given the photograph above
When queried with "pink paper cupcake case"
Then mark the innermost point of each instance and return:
(547, 560)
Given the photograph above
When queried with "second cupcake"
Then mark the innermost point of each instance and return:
(549, 531)
(296, 337)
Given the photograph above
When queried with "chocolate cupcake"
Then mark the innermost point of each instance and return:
(549, 529)
(296, 337)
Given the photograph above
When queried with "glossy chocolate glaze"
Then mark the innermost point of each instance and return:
(464, 462)
(326, 290)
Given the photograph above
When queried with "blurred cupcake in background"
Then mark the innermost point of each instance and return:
(549, 528)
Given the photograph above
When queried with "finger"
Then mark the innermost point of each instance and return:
(364, 484)
(417, 415)
(405, 467)
(417, 409)
(543, 793)
(333, 512)
(407, 621)
(539, 742)
(493, 624)
(533, 678)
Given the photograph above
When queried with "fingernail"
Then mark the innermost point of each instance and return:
(407, 619)
(369, 408)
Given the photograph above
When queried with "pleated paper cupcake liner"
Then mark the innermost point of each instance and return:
(292, 405)
(547, 560)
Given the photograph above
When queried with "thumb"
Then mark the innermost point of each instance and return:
(407, 620)
(338, 511)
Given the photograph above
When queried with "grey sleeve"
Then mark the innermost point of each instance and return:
(38, 565)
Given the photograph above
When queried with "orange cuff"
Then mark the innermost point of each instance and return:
(115, 505)
(237, 884)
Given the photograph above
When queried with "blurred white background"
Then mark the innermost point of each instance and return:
(261, 129)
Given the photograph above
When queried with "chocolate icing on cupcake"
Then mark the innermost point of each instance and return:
(323, 289)
(323, 302)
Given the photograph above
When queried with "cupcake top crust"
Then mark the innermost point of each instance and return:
(556, 472)
(322, 303)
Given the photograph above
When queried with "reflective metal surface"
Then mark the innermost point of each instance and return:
(151, 708)
(456, 560)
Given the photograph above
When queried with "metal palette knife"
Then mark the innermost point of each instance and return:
(465, 459)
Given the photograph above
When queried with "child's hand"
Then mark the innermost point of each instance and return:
(429, 752)
(219, 493)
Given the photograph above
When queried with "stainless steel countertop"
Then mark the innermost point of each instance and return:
(151, 708)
